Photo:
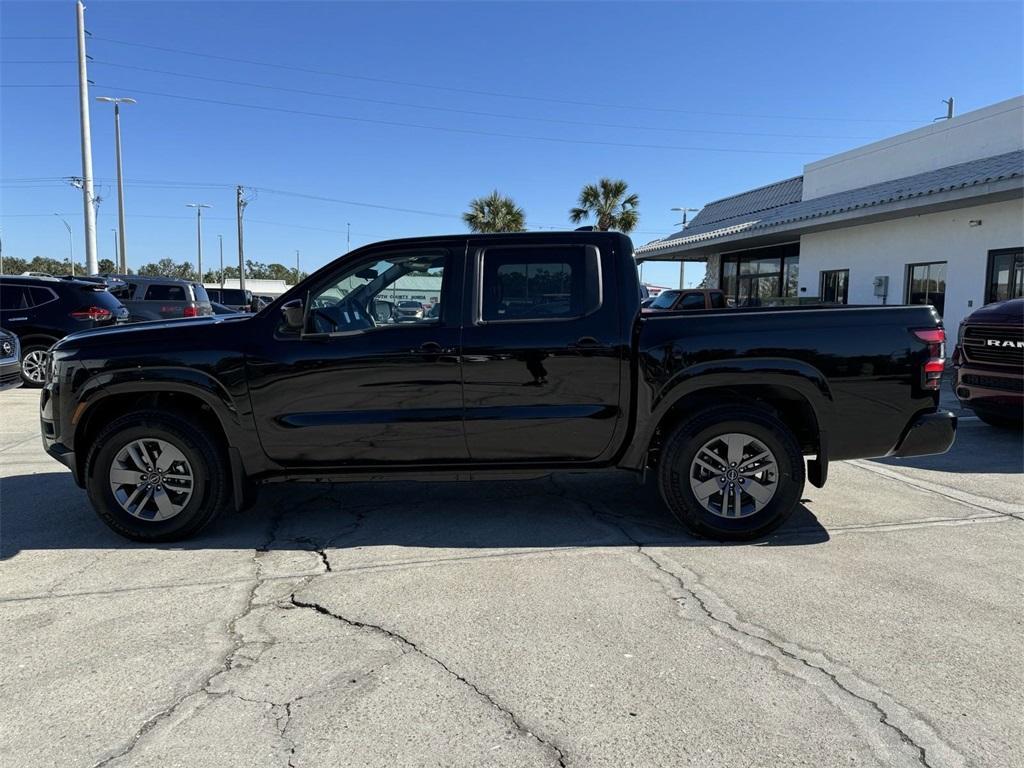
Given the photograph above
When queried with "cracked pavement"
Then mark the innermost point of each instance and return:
(564, 621)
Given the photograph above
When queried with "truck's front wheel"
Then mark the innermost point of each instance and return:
(153, 476)
(731, 473)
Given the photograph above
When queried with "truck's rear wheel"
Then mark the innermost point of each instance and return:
(731, 473)
(153, 476)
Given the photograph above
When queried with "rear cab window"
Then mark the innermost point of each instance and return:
(539, 282)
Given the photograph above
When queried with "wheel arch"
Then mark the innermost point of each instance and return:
(795, 392)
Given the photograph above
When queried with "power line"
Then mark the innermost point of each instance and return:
(463, 131)
(502, 115)
(37, 85)
(498, 94)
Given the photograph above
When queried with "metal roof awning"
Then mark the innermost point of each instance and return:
(989, 179)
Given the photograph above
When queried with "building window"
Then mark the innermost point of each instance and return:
(1005, 275)
(834, 286)
(926, 284)
(762, 276)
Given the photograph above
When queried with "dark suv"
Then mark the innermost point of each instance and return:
(989, 363)
(160, 298)
(43, 310)
(233, 298)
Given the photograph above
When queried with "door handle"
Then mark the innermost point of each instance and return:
(585, 342)
(432, 348)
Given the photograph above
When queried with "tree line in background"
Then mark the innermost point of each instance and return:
(254, 270)
(607, 202)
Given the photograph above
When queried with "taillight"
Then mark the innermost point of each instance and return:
(935, 338)
(92, 313)
(191, 311)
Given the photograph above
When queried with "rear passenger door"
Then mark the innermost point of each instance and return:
(540, 353)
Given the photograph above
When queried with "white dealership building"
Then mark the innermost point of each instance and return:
(933, 216)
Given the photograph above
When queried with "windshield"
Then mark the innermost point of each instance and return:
(665, 300)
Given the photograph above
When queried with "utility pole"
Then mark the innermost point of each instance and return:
(117, 102)
(296, 267)
(83, 110)
(348, 237)
(123, 270)
(682, 264)
(199, 234)
(220, 238)
(239, 207)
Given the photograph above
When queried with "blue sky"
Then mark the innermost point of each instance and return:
(732, 95)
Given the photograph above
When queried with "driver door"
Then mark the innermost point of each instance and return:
(359, 386)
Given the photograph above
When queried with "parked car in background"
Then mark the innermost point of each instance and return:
(688, 298)
(406, 311)
(540, 362)
(10, 361)
(220, 309)
(43, 310)
(160, 298)
(235, 298)
(989, 363)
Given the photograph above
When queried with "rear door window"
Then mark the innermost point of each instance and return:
(158, 292)
(539, 282)
(200, 292)
(15, 297)
(718, 301)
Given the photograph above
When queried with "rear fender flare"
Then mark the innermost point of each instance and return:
(799, 377)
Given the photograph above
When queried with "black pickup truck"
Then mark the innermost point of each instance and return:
(537, 359)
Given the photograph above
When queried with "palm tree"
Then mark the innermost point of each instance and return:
(607, 202)
(494, 213)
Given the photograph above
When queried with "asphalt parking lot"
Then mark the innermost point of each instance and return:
(564, 621)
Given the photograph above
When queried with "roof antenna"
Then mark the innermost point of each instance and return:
(949, 110)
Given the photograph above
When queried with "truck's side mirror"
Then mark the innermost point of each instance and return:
(294, 314)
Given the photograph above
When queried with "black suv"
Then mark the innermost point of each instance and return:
(233, 298)
(159, 298)
(43, 310)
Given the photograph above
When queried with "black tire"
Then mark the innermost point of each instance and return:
(211, 484)
(1000, 421)
(687, 439)
(31, 347)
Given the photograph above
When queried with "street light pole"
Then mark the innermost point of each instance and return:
(682, 263)
(71, 246)
(116, 252)
(117, 102)
(199, 233)
(220, 239)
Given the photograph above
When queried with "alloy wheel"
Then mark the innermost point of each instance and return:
(734, 475)
(151, 479)
(33, 366)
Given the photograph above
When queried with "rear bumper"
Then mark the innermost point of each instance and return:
(929, 433)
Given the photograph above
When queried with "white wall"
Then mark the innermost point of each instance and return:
(885, 248)
(993, 130)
